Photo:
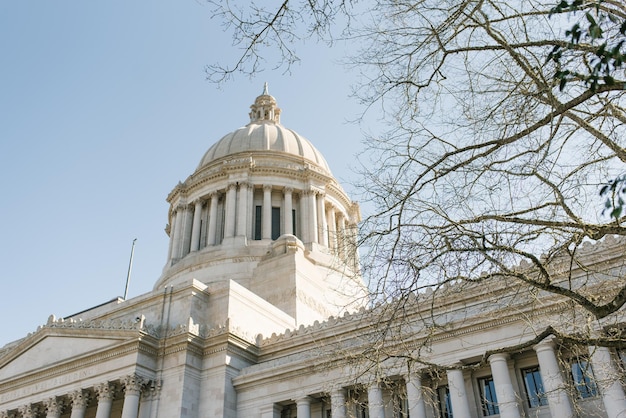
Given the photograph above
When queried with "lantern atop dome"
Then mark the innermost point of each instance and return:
(264, 108)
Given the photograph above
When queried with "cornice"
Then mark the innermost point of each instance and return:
(75, 364)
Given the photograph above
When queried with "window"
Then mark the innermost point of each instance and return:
(582, 377)
(293, 222)
(535, 393)
(275, 223)
(257, 222)
(445, 406)
(488, 396)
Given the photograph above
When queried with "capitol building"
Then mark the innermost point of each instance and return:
(261, 312)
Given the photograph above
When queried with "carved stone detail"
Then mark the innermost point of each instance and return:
(27, 411)
(79, 399)
(53, 406)
(133, 384)
(105, 391)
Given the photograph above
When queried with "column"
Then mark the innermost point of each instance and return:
(507, 398)
(176, 239)
(266, 217)
(338, 403)
(132, 391)
(332, 228)
(195, 231)
(148, 396)
(105, 400)
(242, 210)
(212, 230)
(303, 407)
(250, 211)
(415, 395)
(53, 407)
(608, 380)
(170, 254)
(312, 217)
(321, 219)
(553, 382)
(26, 411)
(458, 396)
(229, 210)
(375, 404)
(341, 235)
(304, 216)
(288, 211)
(79, 403)
(187, 226)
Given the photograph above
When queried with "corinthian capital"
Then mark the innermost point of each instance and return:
(133, 384)
(53, 406)
(105, 391)
(79, 399)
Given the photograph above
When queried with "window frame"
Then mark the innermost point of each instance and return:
(488, 398)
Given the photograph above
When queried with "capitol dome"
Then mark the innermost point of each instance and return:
(264, 133)
(262, 209)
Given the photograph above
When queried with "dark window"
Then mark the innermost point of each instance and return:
(293, 221)
(488, 396)
(582, 376)
(445, 406)
(534, 387)
(275, 223)
(257, 222)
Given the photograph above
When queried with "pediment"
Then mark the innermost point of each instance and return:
(48, 350)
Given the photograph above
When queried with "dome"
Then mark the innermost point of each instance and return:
(265, 133)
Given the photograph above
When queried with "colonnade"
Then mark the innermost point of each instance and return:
(232, 212)
(136, 393)
(556, 387)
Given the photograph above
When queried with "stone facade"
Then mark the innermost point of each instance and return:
(261, 312)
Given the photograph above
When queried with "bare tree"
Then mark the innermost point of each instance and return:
(503, 160)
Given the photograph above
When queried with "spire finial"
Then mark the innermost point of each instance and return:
(264, 108)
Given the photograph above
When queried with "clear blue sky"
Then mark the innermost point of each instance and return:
(104, 107)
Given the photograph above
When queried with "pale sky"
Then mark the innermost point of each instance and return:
(104, 107)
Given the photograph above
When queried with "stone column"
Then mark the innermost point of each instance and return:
(27, 411)
(229, 210)
(187, 226)
(170, 250)
(305, 233)
(608, 380)
(341, 235)
(266, 217)
(458, 395)
(53, 407)
(105, 400)
(132, 392)
(304, 407)
(553, 382)
(332, 228)
(338, 403)
(177, 245)
(148, 396)
(242, 210)
(507, 398)
(321, 219)
(79, 402)
(415, 395)
(312, 217)
(288, 211)
(212, 230)
(375, 401)
(195, 231)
